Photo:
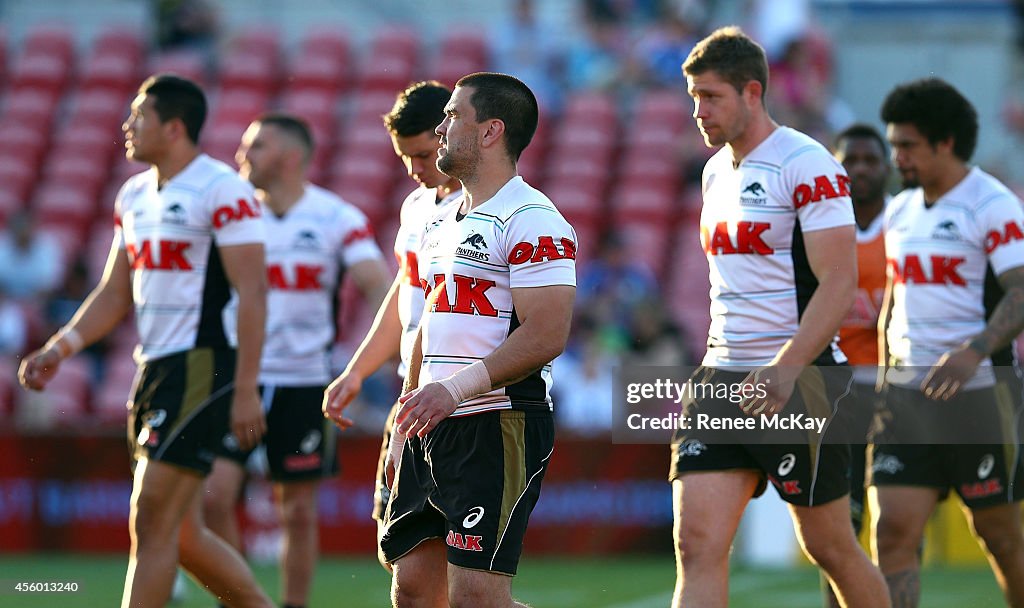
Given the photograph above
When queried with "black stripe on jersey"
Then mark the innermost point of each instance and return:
(531, 388)
(992, 293)
(216, 293)
(336, 307)
(806, 284)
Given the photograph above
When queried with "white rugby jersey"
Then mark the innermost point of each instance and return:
(751, 228)
(417, 209)
(171, 235)
(308, 250)
(468, 270)
(943, 262)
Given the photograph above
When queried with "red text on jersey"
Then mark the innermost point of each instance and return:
(821, 189)
(170, 255)
(470, 296)
(305, 277)
(1011, 232)
(409, 268)
(241, 210)
(545, 249)
(943, 270)
(466, 542)
(748, 239)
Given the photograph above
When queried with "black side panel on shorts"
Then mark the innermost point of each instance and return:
(216, 294)
(531, 388)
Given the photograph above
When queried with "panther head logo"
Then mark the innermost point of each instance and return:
(476, 241)
(755, 188)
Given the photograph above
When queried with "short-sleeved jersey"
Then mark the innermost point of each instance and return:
(308, 250)
(469, 268)
(943, 261)
(417, 209)
(858, 336)
(171, 235)
(752, 227)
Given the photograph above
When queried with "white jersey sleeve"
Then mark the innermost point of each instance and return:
(234, 213)
(540, 247)
(820, 187)
(1001, 218)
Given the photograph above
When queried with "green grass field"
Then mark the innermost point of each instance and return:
(544, 583)
(622, 582)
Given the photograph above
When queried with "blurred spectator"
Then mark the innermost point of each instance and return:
(598, 59)
(523, 47)
(187, 24)
(655, 339)
(613, 285)
(31, 264)
(664, 46)
(584, 391)
(801, 92)
(13, 328)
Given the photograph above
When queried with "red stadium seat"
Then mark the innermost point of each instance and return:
(50, 39)
(221, 140)
(121, 71)
(238, 105)
(241, 68)
(322, 62)
(644, 201)
(64, 204)
(99, 106)
(17, 174)
(29, 141)
(8, 386)
(121, 39)
(10, 202)
(369, 106)
(647, 242)
(368, 139)
(188, 64)
(585, 135)
(579, 168)
(669, 108)
(257, 40)
(579, 203)
(87, 171)
(661, 170)
(314, 105)
(396, 40)
(592, 107)
(389, 72)
(44, 71)
(97, 246)
(89, 139)
(31, 107)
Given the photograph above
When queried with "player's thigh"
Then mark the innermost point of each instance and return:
(297, 499)
(824, 527)
(478, 589)
(708, 506)
(161, 495)
(900, 513)
(223, 487)
(423, 571)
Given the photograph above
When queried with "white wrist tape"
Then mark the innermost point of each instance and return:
(468, 382)
(66, 342)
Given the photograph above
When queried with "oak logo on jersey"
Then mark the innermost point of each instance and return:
(470, 296)
(822, 188)
(789, 487)
(544, 250)
(1010, 232)
(174, 214)
(946, 231)
(170, 255)
(466, 542)
(747, 241)
(942, 270)
(241, 210)
(305, 277)
(982, 489)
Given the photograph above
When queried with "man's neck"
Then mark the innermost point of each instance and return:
(444, 190)
(866, 212)
(484, 185)
(174, 164)
(282, 195)
(946, 181)
(760, 128)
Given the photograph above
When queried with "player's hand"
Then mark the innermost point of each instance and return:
(247, 421)
(338, 395)
(38, 368)
(423, 409)
(951, 372)
(771, 387)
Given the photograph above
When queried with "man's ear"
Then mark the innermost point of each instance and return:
(493, 132)
(752, 92)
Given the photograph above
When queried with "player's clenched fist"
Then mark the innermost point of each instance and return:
(423, 409)
(38, 368)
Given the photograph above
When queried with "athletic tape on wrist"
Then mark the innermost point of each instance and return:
(468, 382)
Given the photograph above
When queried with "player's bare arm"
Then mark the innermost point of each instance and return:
(545, 314)
(832, 256)
(957, 366)
(102, 310)
(245, 268)
(382, 343)
(884, 314)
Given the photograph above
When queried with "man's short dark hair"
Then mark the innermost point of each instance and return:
(294, 127)
(177, 97)
(507, 99)
(418, 109)
(861, 130)
(732, 55)
(937, 110)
